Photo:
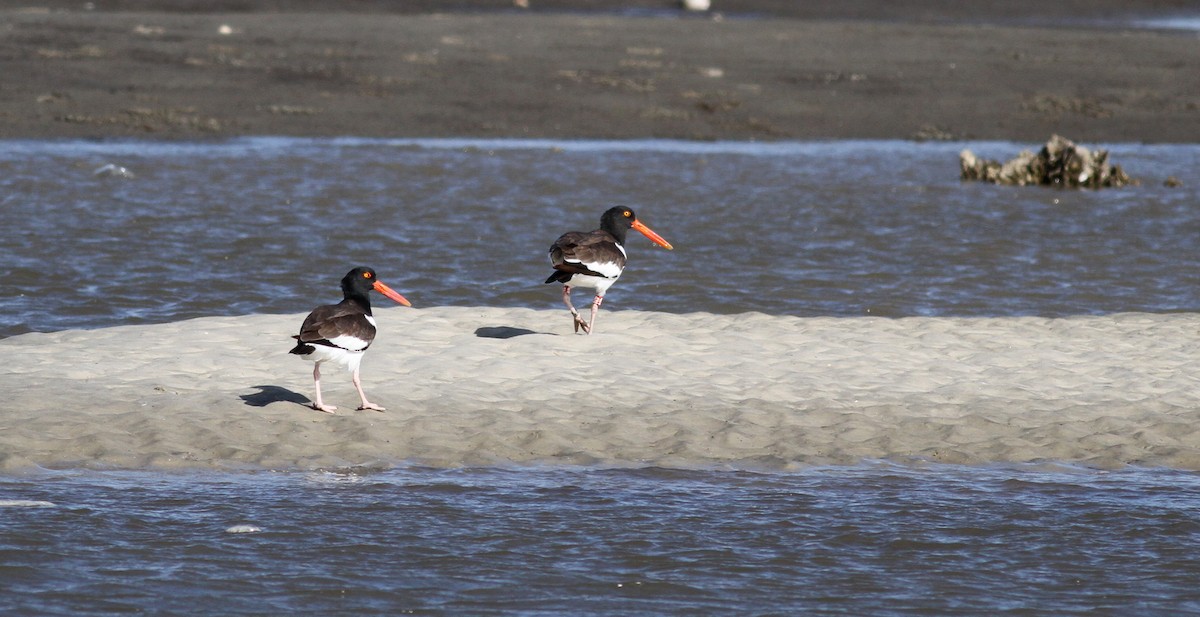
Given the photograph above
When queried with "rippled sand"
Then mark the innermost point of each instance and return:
(472, 386)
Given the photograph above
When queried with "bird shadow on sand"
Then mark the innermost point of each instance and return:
(504, 332)
(274, 394)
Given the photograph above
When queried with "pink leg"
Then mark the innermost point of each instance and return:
(596, 302)
(578, 321)
(365, 403)
(318, 405)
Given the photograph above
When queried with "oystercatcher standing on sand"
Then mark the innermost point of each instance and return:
(342, 332)
(595, 259)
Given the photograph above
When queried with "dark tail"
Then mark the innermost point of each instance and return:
(302, 349)
(559, 277)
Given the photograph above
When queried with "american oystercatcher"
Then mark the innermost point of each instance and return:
(595, 259)
(342, 332)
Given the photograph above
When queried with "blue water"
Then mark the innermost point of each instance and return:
(1179, 22)
(875, 540)
(840, 228)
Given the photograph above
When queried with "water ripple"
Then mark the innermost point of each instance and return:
(813, 228)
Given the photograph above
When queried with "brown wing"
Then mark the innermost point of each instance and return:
(339, 325)
(595, 253)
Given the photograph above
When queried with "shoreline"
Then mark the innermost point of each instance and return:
(486, 386)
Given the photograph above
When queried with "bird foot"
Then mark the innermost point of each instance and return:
(372, 406)
(580, 323)
(324, 408)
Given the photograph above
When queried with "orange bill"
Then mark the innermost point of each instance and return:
(391, 293)
(649, 233)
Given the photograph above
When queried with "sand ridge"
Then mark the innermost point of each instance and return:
(483, 386)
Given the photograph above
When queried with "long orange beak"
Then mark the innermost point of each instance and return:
(391, 293)
(649, 233)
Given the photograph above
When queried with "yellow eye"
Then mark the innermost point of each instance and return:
(366, 275)
(627, 214)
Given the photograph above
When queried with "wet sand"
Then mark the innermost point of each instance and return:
(482, 386)
(764, 70)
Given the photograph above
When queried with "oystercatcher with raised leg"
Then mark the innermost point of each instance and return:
(595, 259)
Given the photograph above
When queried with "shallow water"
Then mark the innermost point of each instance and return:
(875, 540)
(840, 228)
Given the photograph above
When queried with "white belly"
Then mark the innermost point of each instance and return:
(599, 283)
(336, 355)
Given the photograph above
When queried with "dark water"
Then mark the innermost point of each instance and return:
(866, 541)
(843, 229)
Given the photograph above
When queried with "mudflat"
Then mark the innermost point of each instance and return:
(754, 69)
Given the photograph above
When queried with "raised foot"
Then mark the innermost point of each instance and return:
(372, 407)
(580, 323)
(324, 408)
